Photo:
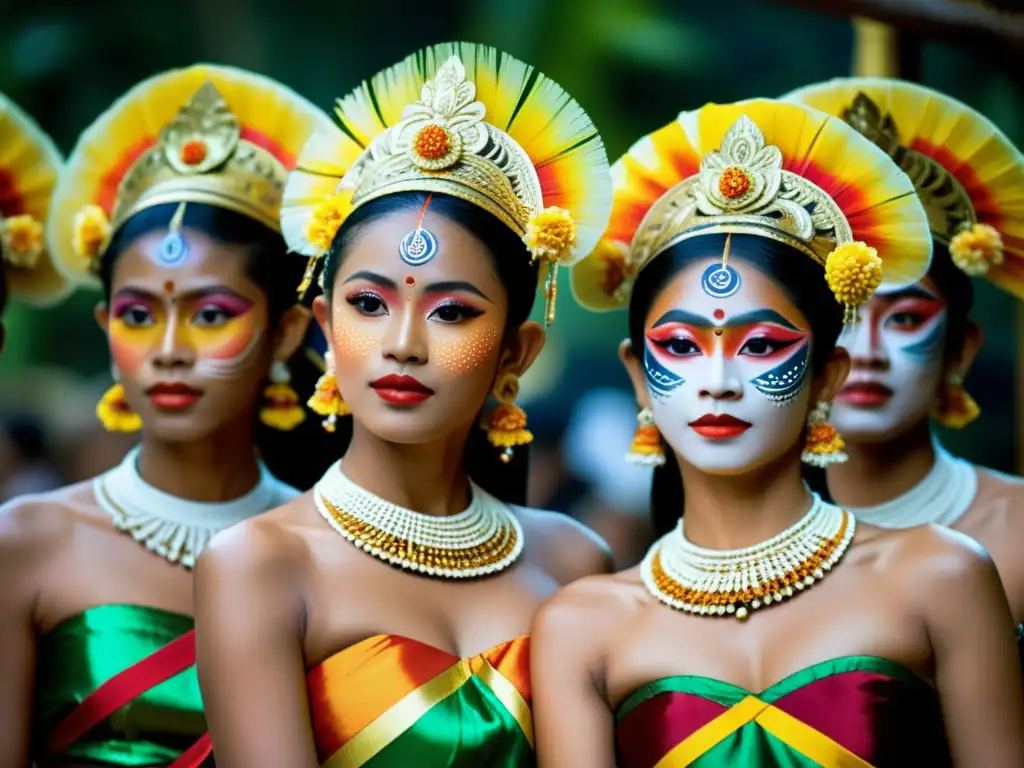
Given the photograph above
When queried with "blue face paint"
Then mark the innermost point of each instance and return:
(930, 345)
(661, 382)
(783, 382)
(418, 247)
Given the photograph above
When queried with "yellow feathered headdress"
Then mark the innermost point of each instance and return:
(204, 134)
(29, 163)
(468, 121)
(768, 168)
(968, 174)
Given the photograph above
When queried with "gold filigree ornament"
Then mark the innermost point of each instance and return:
(29, 164)
(486, 129)
(968, 174)
(205, 134)
(769, 169)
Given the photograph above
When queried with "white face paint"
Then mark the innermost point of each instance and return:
(728, 375)
(896, 353)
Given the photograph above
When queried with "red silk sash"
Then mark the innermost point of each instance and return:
(172, 659)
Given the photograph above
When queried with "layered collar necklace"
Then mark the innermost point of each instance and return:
(942, 496)
(483, 539)
(711, 582)
(174, 528)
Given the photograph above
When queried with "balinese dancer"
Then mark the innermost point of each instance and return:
(914, 346)
(170, 204)
(768, 628)
(382, 619)
(29, 163)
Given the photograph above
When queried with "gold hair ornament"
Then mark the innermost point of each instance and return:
(483, 138)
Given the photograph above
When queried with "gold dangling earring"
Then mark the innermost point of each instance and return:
(956, 408)
(823, 445)
(282, 410)
(326, 400)
(646, 450)
(113, 410)
(506, 427)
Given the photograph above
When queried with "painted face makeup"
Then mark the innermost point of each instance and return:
(173, 249)
(896, 353)
(722, 371)
(215, 327)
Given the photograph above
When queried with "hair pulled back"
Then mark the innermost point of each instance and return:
(786, 266)
(511, 261)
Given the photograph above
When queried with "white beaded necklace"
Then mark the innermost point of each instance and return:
(483, 539)
(942, 496)
(177, 529)
(712, 582)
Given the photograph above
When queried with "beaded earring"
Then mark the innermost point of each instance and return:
(956, 408)
(113, 410)
(823, 445)
(506, 427)
(646, 449)
(326, 400)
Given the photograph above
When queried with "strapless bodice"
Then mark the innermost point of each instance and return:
(393, 701)
(851, 712)
(87, 650)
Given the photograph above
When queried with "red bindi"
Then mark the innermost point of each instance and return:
(410, 281)
(169, 286)
(719, 314)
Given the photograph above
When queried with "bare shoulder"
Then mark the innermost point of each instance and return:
(998, 491)
(265, 554)
(592, 605)
(567, 549)
(37, 525)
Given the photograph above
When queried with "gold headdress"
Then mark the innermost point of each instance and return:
(768, 168)
(204, 134)
(29, 163)
(467, 121)
(969, 176)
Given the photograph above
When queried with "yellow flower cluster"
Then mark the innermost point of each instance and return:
(91, 233)
(21, 241)
(853, 272)
(976, 249)
(327, 218)
(551, 235)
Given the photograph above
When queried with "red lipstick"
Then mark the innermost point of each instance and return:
(865, 394)
(173, 396)
(401, 390)
(719, 427)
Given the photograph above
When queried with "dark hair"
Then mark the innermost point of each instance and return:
(786, 266)
(957, 290)
(298, 457)
(511, 261)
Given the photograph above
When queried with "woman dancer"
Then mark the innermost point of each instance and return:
(29, 163)
(458, 173)
(170, 202)
(914, 346)
(768, 628)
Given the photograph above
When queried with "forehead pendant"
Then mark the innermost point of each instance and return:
(419, 246)
(720, 281)
(173, 249)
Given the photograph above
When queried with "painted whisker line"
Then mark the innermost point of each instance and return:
(232, 367)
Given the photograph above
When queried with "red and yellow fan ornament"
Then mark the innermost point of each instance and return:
(468, 121)
(29, 164)
(969, 176)
(768, 168)
(203, 134)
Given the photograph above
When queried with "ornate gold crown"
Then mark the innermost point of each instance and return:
(501, 137)
(201, 157)
(742, 186)
(29, 163)
(947, 203)
(812, 182)
(967, 173)
(205, 134)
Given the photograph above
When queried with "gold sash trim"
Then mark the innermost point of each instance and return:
(795, 734)
(399, 718)
(509, 696)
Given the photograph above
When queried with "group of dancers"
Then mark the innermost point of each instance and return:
(829, 587)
